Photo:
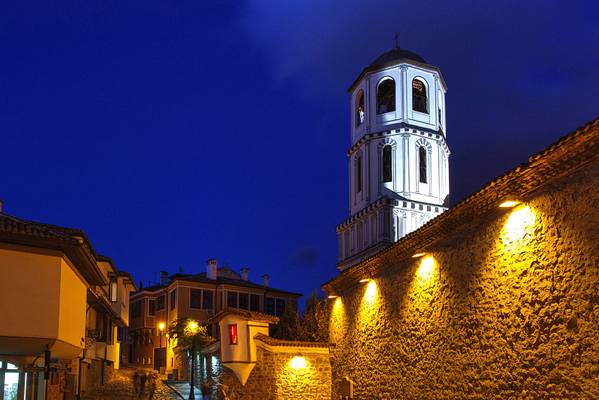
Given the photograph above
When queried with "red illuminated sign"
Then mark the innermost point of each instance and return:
(233, 334)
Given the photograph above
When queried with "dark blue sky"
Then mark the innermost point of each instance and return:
(173, 131)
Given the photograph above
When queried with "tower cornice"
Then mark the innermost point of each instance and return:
(404, 130)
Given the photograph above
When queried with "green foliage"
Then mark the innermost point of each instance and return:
(314, 322)
(311, 326)
(189, 333)
(288, 327)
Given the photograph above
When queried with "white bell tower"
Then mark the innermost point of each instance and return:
(398, 159)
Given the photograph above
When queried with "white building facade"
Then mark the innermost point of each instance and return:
(398, 159)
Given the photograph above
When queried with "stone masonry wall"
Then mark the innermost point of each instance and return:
(507, 307)
(274, 378)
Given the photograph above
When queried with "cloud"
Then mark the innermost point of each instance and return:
(304, 257)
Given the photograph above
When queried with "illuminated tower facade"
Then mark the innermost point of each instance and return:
(398, 158)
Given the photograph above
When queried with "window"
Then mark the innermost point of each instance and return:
(244, 300)
(207, 300)
(9, 375)
(387, 165)
(113, 289)
(232, 333)
(422, 169)
(173, 299)
(360, 115)
(160, 303)
(275, 306)
(359, 174)
(270, 306)
(136, 309)
(151, 307)
(279, 307)
(195, 298)
(254, 302)
(419, 100)
(232, 299)
(385, 96)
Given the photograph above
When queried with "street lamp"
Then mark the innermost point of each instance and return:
(161, 326)
(192, 328)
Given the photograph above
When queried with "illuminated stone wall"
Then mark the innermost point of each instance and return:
(278, 375)
(507, 306)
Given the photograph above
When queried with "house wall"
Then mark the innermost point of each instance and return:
(29, 293)
(505, 307)
(41, 296)
(73, 301)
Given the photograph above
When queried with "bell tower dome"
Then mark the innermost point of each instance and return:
(398, 159)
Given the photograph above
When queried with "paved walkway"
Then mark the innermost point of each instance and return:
(183, 389)
(120, 387)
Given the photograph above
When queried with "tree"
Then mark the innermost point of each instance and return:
(311, 326)
(190, 335)
(288, 327)
(314, 322)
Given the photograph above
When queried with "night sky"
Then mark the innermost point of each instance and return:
(176, 131)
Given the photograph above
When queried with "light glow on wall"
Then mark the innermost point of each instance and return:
(369, 307)
(298, 362)
(427, 268)
(337, 321)
(371, 293)
(520, 223)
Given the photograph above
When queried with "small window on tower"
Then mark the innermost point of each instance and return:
(385, 96)
(233, 334)
(360, 115)
(387, 165)
(419, 98)
(422, 167)
(359, 174)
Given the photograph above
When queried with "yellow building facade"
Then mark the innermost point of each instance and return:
(62, 306)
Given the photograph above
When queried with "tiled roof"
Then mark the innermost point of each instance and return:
(249, 315)
(220, 280)
(72, 242)
(16, 226)
(290, 343)
(568, 154)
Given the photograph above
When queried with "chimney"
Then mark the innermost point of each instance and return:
(163, 278)
(141, 285)
(245, 274)
(1, 205)
(265, 280)
(211, 269)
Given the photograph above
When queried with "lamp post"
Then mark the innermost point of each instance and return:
(161, 326)
(192, 327)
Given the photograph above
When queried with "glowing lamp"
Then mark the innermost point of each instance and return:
(509, 203)
(161, 326)
(332, 296)
(364, 280)
(417, 255)
(298, 362)
(193, 326)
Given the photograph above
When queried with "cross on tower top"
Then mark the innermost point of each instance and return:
(396, 40)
